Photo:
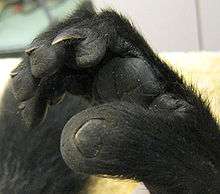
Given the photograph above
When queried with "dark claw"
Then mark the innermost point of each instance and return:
(46, 61)
(56, 99)
(34, 111)
(52, 88)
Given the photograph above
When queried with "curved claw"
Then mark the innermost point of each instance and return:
(33, 111)
(65, 36)
(31, 49)
(13, 73)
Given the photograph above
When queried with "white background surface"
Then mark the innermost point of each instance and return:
(173, 25)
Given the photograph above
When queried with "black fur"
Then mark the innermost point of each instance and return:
(30, 159)
(145, 122)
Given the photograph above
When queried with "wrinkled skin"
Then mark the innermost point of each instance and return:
(144, 122)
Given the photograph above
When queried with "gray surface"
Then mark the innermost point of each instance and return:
(210, 24)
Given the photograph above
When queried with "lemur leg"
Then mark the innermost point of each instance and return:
(157, 129)
(157, 145)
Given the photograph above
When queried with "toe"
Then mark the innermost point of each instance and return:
(46, 60)
(23, 83)
(94, 140)
(91, 51)
(33, 111)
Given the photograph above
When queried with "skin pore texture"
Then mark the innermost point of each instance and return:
(123, 113)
